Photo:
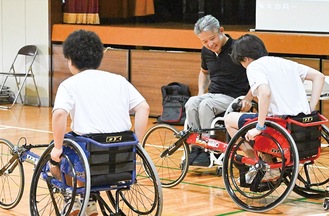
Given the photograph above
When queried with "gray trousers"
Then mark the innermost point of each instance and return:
(201, 110)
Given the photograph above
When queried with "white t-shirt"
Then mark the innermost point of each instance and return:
(285, 79)
(98, 101)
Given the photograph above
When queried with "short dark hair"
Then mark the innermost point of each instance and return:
(248, 45)
(84, 49)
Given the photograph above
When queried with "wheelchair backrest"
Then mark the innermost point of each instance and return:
(111, 156)
(304, 129)
(306, 132)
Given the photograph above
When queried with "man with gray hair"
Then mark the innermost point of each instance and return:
(220, 82)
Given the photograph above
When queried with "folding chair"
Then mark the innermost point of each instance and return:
(21, 67)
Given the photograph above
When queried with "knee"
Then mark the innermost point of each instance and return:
(192, 103)
(204, 106)
(228, 119)
(231, 123)
(231, 120)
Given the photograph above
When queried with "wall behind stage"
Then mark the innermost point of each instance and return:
(292, 15)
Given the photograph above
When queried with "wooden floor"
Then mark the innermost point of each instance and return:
(201, 192)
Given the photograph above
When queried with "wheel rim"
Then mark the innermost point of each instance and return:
(173, 168)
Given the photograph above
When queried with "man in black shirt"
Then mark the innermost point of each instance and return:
(220, 81)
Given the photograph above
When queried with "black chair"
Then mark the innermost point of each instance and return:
(21, 68)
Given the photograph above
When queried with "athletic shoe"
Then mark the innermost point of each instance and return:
(91, 209)
(76, 207)
(271, 175)
(203, 159)
(250, 175)
(195, 151)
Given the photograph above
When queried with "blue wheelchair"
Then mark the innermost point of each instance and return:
(112, 168)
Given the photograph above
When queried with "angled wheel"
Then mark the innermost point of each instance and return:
(11, 176)
(324, 136)
(144, 197)
(260, 175)
(313, 176)
(53, 196)
(326, 204)
(172, 168)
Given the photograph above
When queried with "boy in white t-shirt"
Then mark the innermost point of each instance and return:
(276, 82)
(96, 101)
(278, 85)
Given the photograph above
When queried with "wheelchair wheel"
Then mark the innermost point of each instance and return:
(313, 176)
(51, 196)
(11, 176)
(262, 178)
(324, 136)
(144, 197)
(171, 168)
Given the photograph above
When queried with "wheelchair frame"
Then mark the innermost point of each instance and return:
(169, 149)
(51, 196)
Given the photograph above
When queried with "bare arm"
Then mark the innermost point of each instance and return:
(263, 102)
(264, 94)
(246, 102)
(142, 111)
(203, 81)
(59, 123)
(317, 79)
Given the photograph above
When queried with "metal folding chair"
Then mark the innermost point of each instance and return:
(21, 68)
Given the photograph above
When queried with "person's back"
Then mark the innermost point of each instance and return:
(97, 101)
(277, 83)
(284, 78)
(100, 101)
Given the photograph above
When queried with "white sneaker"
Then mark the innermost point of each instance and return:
(271, 175)
(76, 207)
(250, 175)
(91, 209)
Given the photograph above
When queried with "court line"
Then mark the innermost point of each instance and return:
(22, 128)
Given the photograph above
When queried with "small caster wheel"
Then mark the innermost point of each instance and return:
(219, 171)
(326, 204)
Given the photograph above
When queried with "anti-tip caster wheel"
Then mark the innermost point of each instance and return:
(219, 171)
(326, 204)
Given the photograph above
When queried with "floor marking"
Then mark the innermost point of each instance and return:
(21, 128)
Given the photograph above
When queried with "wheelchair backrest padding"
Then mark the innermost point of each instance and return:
(307, 138)
(111, 156)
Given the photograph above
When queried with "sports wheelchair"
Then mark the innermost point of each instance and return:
(219, 132)
(112, 168)
(173, 169)
(260, 174)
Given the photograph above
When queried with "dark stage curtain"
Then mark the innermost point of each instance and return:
(89, 11)
(125, 8)
(81, 11)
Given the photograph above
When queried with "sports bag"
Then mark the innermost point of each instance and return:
(174, 97)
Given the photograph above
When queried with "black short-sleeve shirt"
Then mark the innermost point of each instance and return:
(226, 77)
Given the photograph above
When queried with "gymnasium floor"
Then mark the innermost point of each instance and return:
(200, 193)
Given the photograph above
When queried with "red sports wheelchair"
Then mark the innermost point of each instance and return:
(285, 157)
